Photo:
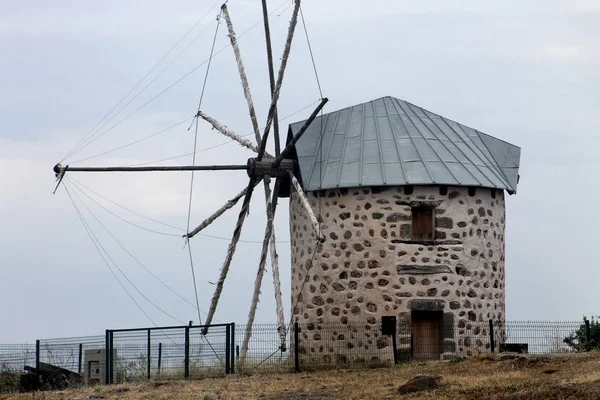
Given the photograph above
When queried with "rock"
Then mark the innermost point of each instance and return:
(419, 384)
(211, 396)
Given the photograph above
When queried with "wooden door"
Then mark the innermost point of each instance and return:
(426, 339)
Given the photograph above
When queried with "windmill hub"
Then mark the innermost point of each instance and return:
(259, 168)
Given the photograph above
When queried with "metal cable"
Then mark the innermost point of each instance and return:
(220, 144)
(312, 57)
(130, 143)
(81, 185)
(129, 222)
(119, 269)
(87, 229)
(189, 246)
(167, 88)
(141, 80)
(132, 256)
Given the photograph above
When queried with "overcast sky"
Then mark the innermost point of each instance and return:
(525, 72)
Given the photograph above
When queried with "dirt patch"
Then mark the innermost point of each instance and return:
(572, 391)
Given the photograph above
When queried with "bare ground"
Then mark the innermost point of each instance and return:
(532, 377)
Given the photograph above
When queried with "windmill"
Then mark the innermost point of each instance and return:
(263, 167)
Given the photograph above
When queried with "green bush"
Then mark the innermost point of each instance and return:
(9, 379)
(578, 340)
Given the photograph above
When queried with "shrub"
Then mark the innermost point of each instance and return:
(578, 340)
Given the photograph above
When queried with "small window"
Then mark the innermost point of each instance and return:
(422, 223)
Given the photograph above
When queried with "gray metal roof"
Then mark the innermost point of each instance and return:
(390, 142)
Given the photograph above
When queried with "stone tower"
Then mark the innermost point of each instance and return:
(412, 206)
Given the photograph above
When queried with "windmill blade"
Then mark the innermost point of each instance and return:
(58, 169)
(275, 94)
(269, 237)
(243, 77)
(271, 75)
(275, 269)
(230, 203)
(230, 252)
(306, 204)
(229, 132)
(301, 132)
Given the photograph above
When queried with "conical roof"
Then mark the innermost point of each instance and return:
(390, 142)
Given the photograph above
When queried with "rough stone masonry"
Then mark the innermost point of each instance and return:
(369, 266)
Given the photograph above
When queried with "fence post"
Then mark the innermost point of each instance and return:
(149, 353)
(107, 358)
(232, 355)
(588, 338)
(296, 347)
(159, 356)
(80, 358)
(111, 364)
(186, 367)
(37, 363)
(395, 348)
(492, 344)
(227, 348)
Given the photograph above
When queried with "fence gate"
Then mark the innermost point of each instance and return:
(199, 351)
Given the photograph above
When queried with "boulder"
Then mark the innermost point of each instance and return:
(419, 384)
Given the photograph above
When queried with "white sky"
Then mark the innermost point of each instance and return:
(525, 73)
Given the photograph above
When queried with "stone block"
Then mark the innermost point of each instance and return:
(422, 269)
(426, 305)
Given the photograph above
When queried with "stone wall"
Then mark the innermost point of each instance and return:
(369, 266)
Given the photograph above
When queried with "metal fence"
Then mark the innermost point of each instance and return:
(67, 353)
(13, 357)
(213, 351)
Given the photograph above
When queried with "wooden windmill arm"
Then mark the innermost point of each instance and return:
(306, 204)
(230, 203)
(243, 77)
(269, 240)
(229, 132)
(277, 90)
(230, 252)
(260, 273)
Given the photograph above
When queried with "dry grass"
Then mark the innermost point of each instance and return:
(564, 377)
